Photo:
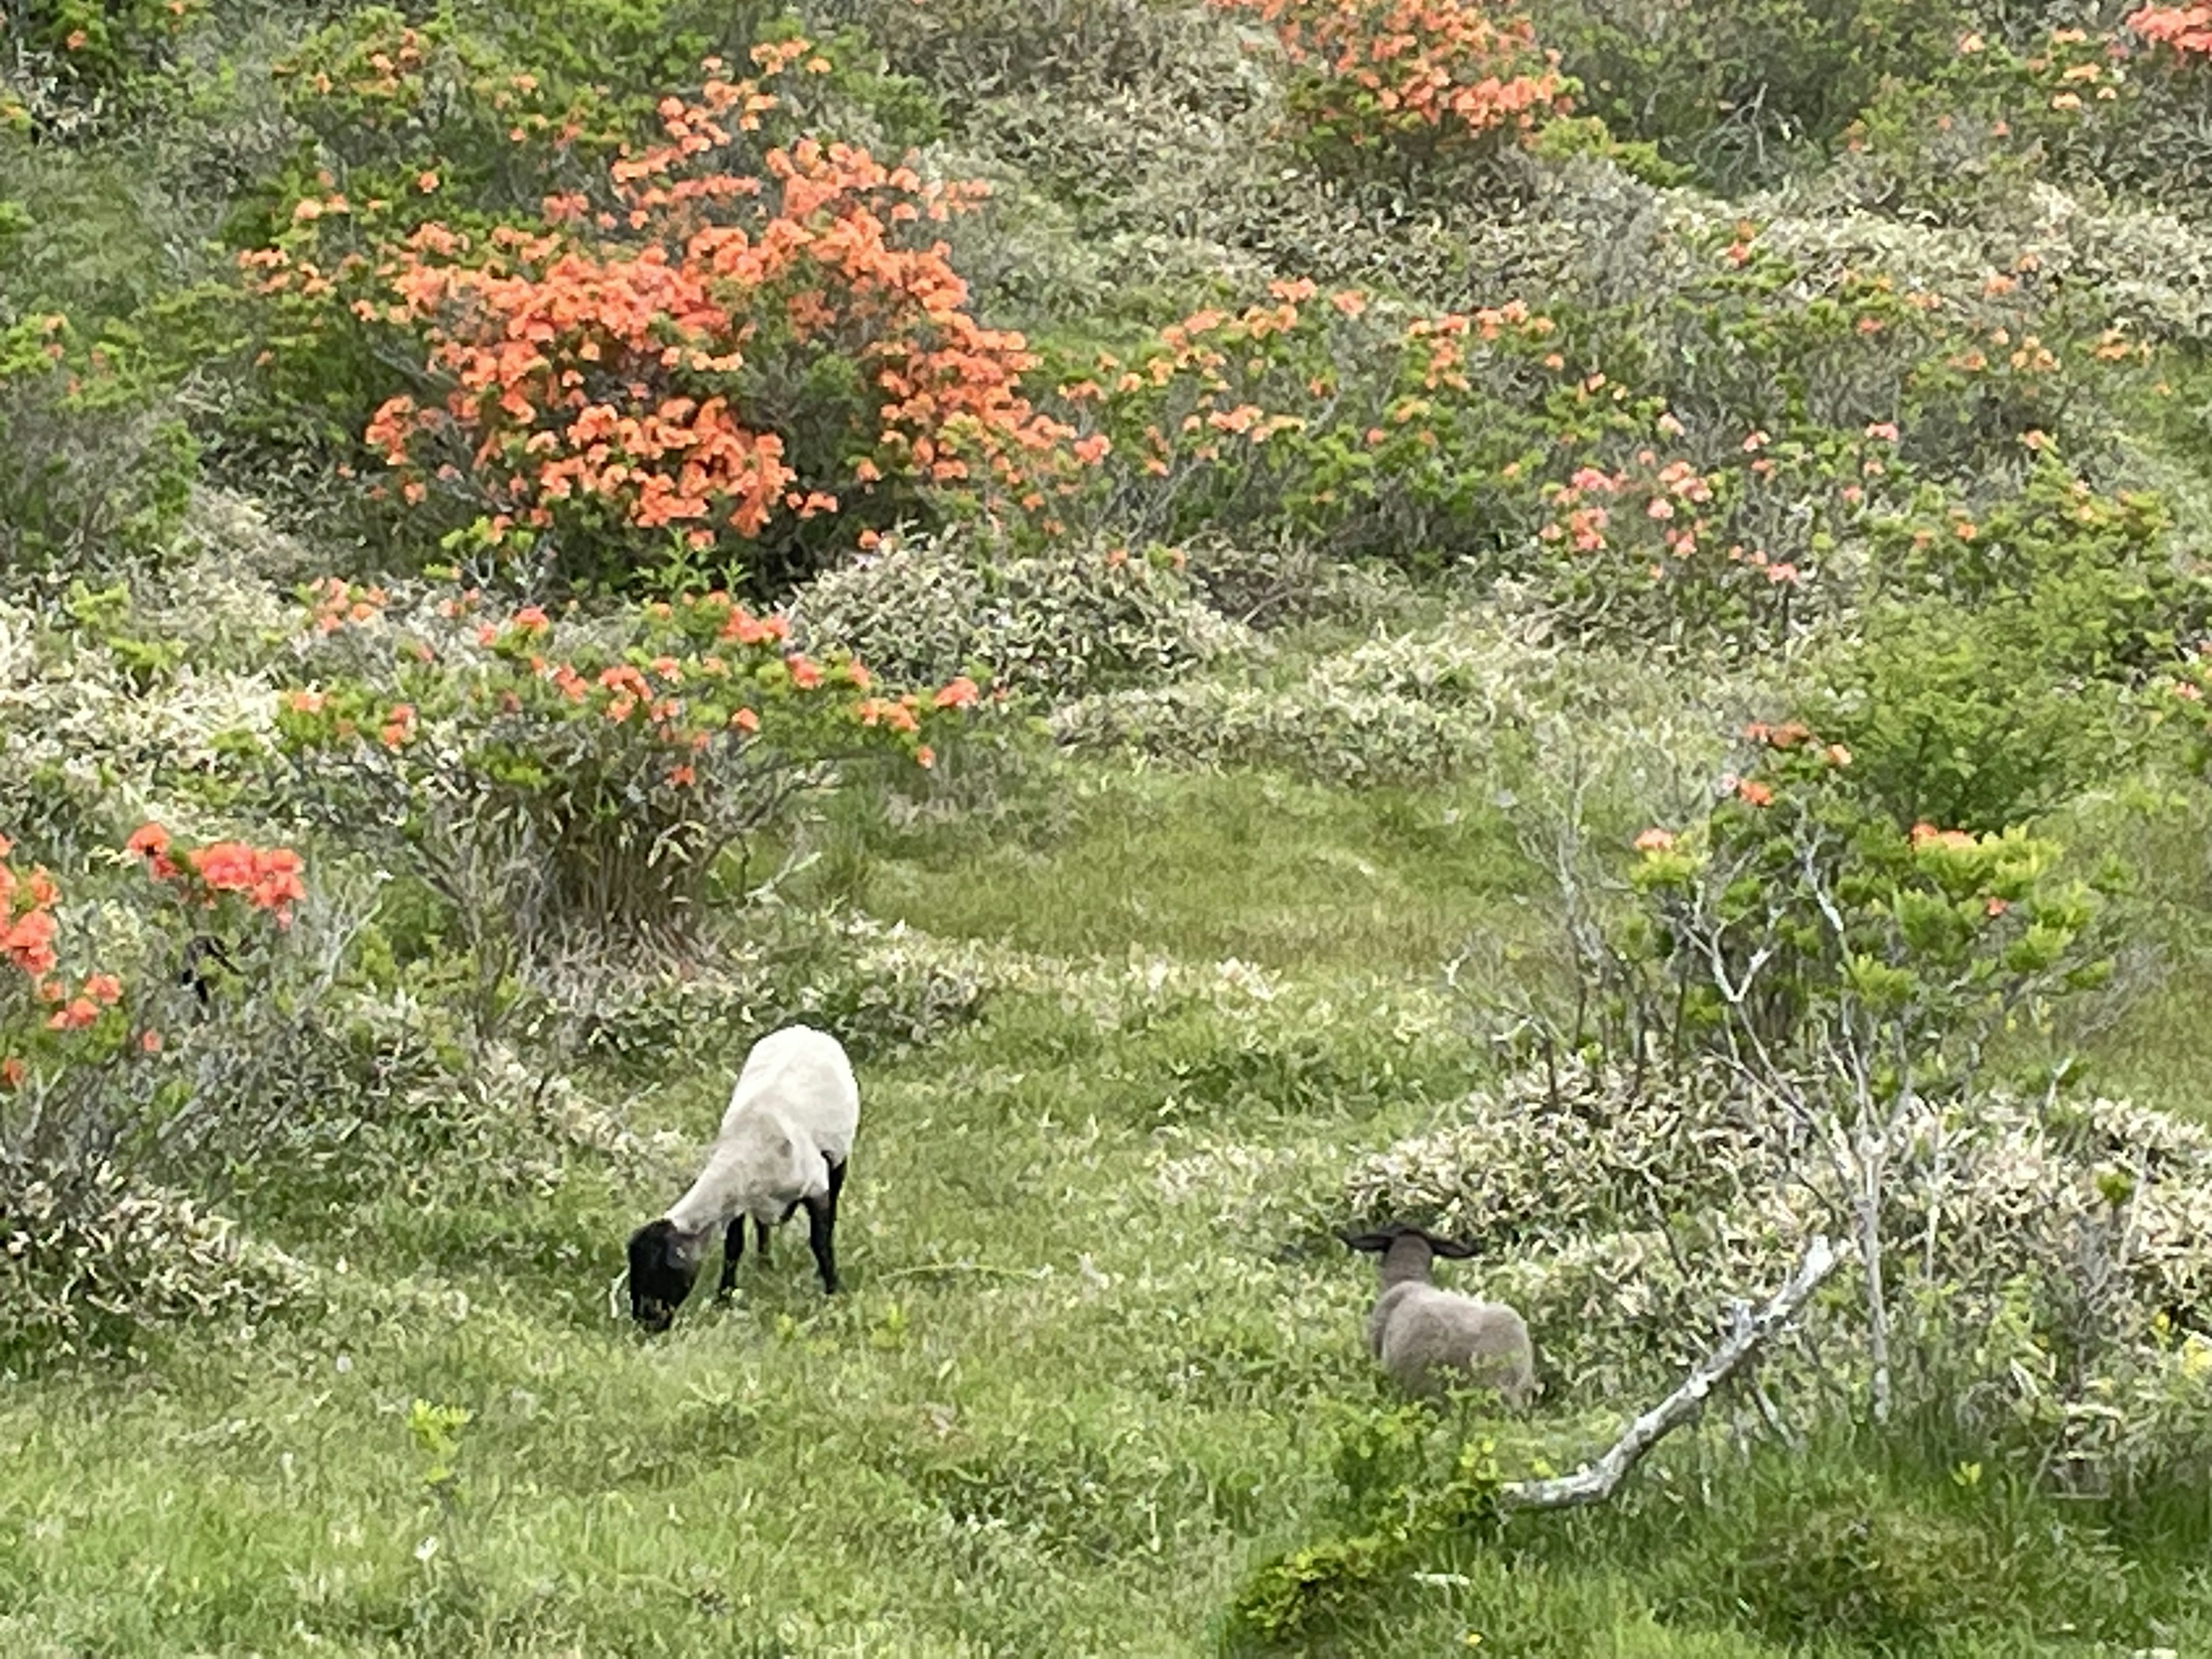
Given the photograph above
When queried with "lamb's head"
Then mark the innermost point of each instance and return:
(664, 1264)
(1405, 1250)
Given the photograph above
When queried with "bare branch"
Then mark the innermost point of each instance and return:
(1595, 1482)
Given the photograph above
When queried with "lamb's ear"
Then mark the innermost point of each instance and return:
(1452, 1249)
(1377, 1242)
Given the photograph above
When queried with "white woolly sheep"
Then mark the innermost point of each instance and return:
(1428, 1339)
(784, 1140)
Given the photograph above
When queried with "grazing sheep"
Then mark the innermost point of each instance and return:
(1427, 1338)
(783, 1142)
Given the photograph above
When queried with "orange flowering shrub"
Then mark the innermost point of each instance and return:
(1631, 504)
(1416, 437)
(127, 1088)
(66, 1029)
(2185, 29)
(608, 763)
(2172, 155)
(703, 352)
(1967, 141)
(413, 122)
(1418, 73)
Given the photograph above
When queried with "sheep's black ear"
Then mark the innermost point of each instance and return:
(1452, 1249)
(1377, 1242)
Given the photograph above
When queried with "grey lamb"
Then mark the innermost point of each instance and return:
(1428, 1339)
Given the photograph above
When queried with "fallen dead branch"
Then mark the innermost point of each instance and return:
(1595, 1482)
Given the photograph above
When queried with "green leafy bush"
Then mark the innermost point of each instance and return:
(1407, 1486)
(89, 52)
(1742, 88)
(94, 471)
(1993, 676)
(547, 775)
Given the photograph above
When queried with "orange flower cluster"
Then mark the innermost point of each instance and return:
(339, 602)
(607, 357)
(26, 916)
(1417, 63)
(2185, 28)
(1670, 496)
(27, 932)
(266, 878)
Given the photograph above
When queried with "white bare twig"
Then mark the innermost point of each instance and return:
(1597, 1481)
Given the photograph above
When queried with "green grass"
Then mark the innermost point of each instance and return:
(1081, 1385)
(1283, 873)
(1097, 1348)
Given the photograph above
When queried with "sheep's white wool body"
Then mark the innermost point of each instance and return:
(793, 1113)
(1423, 1335)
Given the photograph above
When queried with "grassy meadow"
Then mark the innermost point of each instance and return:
(1502, 526)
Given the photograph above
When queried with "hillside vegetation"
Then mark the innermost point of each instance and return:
(1585, 624)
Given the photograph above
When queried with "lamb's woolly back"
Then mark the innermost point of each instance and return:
(792, 1114)
(1427, 1338)
(803, 1075)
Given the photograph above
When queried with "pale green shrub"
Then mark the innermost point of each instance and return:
(2052, 1259)
(95, 1268)
(1402, 709)
(1047, 625)
(880, 991)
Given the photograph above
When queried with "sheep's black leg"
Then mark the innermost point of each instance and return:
(761, 1234)
(733, 1250)
(821, 1225)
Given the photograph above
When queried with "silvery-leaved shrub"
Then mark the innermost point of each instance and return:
(2050, 1269)
(94, 1267)
(1395, 709)
(1048, 625)
(880, 990)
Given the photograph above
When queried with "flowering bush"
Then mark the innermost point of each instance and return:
(1411, 437)
(2175, 77)
(121, 1078)
(59, 1024)
(706, 350)
(1793, 921)
(1964, 143)
(544, 772)
(1422, 77)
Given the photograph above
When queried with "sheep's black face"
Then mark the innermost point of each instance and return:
(660, 1275)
